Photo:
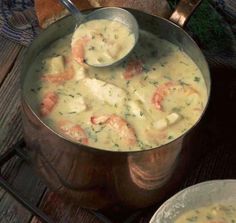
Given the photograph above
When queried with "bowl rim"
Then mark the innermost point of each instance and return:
(215, 183)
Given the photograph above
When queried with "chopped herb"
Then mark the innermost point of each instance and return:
(145, 68)
(127, 115)
(100, 59)
(154, 68)
(33, 90)
(197, 79)
(91, 48)
(141, 113)
(209, 217)
(72, 112)
(167, 77)
(170, 137)
(176, 109)
(155, 83)
(116, 145)
(60, 113)
(116, 36)
(192, 219)
(71, 95)
(99, 130)
(143, 146)
(78, 94)
(91, 135)
(127, 83)
(182, 82)
(188, 103)
(183, 63)
(145, 78)
(115, 105)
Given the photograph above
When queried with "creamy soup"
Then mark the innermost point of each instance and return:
(210, 214)
(101, 42)
(148, 100)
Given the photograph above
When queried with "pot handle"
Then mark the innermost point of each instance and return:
(183, 11)
(14, 151)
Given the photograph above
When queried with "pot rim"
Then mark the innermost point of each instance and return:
(106, 150)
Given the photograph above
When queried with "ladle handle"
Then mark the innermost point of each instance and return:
(73, 9)
(183, 11)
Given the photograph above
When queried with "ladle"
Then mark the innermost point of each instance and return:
(108, 13)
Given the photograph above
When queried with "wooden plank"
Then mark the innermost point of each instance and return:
(10, 121)
(61, 212)
(17, 173)
(9, 51)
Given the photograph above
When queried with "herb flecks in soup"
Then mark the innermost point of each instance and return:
(210, 214)
(150, 99)
(101, 42)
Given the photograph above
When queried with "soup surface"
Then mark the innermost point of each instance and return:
(101, 42)
(210, 214)
(150, 99)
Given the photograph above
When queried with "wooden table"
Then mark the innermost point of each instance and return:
(217, 135)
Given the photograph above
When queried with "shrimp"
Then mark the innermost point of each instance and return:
(74, 131)
(59, 78)
(78, 52)
(156, 137)
(134, 67)
(164, 89)
(99, 120)
(48, 103)
(118, 125)
(160, 93)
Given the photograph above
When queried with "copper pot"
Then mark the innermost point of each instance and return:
(98, 179)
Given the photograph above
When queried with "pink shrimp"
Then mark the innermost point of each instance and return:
(48, 103)
(119, 125)
(156, 136)
(164, 90)
(160, 93)
(74, 131)
(134, 67)
(78, 49)
(99, 119)
(59, 78)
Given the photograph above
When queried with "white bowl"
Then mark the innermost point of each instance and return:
(196, 196)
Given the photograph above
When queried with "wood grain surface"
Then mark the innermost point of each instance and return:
(9, 51)
(215, 141)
